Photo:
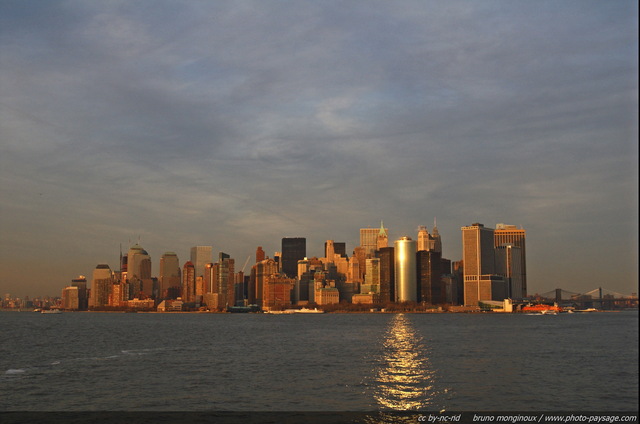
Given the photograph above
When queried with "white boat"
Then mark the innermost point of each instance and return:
(586, 310)
(51, 311)
(297, 311)
(309, 311)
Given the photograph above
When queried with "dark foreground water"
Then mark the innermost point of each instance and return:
(329, 362)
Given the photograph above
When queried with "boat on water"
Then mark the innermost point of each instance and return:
(51, 311)
(586, 310)
(243, 309)
(309, 311)
(542, 309)
(297, 311)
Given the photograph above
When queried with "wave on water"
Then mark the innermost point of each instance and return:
(123, 353)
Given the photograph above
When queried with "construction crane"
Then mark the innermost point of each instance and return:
(245, 264)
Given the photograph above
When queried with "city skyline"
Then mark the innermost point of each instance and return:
(235, 125)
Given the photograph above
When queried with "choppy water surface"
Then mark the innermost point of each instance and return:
(329, 362)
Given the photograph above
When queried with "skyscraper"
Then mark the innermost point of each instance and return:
(387, 274)
(371, 276)
(424, 239)
(200, 256)
(504, 234)
(340, 248)
(508, 264)
(70, 298)
(437, 244)
(259, 272)
(101, 285)
(260, 255)
(138, 263)
(382, 239)
(81, 284)
(188, 282)
(430, 242)
(371, 238)
(329, 250)
(480, 279)
(406, 270)
(293, 250)
(226, 280)
(430, 285)
(169, 272)
(138, 270)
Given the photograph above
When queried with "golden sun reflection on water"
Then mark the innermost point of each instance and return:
(404, 379)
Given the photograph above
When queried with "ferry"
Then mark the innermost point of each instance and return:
(243, 309)
(309, 311)
(51, 311)
(288, 311)
(542, 309)
(297, 311)
(586, 310)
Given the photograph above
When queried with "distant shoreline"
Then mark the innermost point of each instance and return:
(435, 312)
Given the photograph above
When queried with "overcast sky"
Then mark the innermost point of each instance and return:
(237, 123)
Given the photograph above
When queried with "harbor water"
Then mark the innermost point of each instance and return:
(318, 362)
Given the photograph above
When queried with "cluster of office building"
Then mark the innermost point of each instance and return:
(376, 272)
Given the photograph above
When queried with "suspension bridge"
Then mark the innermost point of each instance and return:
(599, 298)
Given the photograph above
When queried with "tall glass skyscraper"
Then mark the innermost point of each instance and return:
(200, 256)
